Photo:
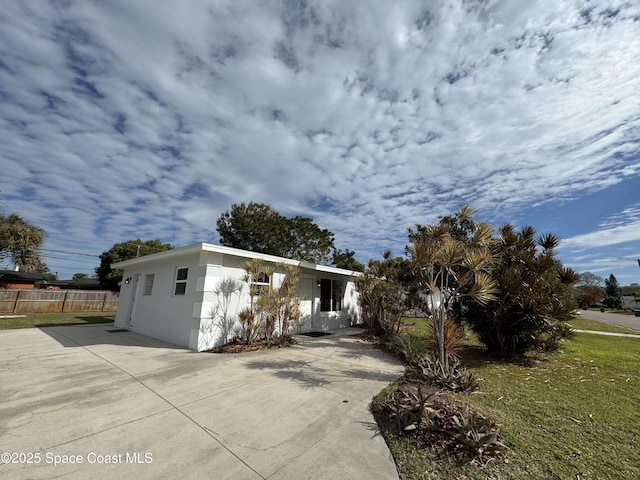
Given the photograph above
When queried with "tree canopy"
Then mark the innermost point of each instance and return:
(20, 241)
(612, 292)
(120, 252)
(258, 227)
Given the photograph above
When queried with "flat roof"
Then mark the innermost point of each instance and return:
(236, 252)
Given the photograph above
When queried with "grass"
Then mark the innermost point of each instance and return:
(573, 414)
(31, 320)
(587, 324)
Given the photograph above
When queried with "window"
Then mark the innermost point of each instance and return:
(330, 295)
(260, 284)
(148, 284)
(181, 281)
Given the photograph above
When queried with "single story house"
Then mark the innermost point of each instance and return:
(175, 295)
(16, 279)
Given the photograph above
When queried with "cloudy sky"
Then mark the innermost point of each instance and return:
(148, 119)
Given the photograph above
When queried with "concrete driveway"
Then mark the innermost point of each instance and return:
(81, 402)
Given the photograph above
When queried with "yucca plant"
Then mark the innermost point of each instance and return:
(449, 267)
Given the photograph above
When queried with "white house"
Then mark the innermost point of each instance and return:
(172, 295)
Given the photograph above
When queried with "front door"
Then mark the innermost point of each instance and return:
(307, 303)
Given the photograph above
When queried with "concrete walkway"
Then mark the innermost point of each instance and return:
(612, 334)
(121, 405)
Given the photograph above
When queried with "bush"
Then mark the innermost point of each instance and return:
(534, 293)
(449, 376)
(438, 423)
(408, 347)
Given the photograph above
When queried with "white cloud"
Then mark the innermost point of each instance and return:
(368, 116)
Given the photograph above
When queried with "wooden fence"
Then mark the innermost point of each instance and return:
(33, 301)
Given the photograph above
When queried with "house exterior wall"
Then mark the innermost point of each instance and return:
(215, 330)
(13, 284)
(162, 314)
(205, 316)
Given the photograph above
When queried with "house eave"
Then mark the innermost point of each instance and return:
(236, 252)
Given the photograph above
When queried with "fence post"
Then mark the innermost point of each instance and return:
(64, 299)
(15, 305)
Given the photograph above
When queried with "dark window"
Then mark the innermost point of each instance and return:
(330, 295)
(260, 284)
(181, 281)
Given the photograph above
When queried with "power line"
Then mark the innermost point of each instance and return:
(71, 268)
(70, 253)
(69, 259)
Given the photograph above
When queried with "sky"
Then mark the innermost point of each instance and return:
(137, 119)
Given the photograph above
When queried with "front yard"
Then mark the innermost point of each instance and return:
(30, 320)
(573, 414)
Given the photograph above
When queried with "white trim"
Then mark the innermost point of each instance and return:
(176, 282)
(235, 252)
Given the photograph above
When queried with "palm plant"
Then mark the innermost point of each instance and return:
(534, 294)
(20, 241)
(449, 268)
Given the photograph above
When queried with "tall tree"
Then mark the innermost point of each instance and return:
(109, 277)
(20, 241)
(612, 292)
(258, 227)
(346, 259)
(589, 289)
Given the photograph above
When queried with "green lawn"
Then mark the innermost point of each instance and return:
(575, 414)
(54, 319)
(587, 324)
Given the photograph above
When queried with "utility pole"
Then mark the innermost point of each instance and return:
(138, 252)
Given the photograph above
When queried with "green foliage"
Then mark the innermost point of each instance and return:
(20, 241)
(384, 293)
(274, 309)
(407, 347)
(109, 277)
(477, 432)
(534, 292)
(450, 263)
(307, 241)
(436, 423)
(448, 376)
(572, 414)
(279, 307)
(77, 276)
(346, 259)
(612, 292)
(258, 227)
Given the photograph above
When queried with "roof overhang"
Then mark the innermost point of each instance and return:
(197, 248)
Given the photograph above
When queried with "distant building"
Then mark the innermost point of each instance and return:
(13, 279)
(74, 284)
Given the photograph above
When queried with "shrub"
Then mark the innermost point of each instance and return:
(449, 376)
(408, 347)
(534, 293)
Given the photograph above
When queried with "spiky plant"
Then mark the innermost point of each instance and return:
(449, 268)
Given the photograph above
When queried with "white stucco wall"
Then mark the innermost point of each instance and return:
(194, 320)
(162, 314)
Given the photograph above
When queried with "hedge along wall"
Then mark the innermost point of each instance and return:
(33, 301)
